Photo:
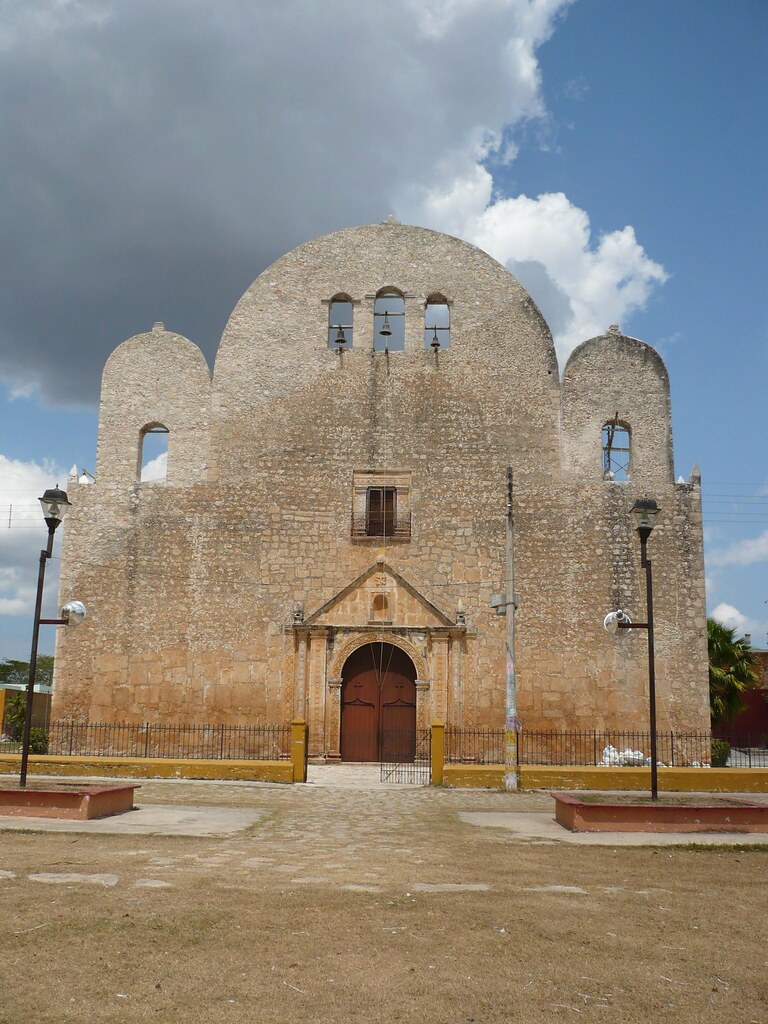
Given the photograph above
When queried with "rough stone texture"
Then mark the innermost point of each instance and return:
(192, 585)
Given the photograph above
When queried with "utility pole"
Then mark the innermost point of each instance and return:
(511, 723)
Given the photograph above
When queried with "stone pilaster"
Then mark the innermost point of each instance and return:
(423, 708)
(440, 678)
(333, 730)
(300, 690)
(316, 692)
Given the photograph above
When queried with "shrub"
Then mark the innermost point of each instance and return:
(721, 751)
(38, 741)
(14, 716)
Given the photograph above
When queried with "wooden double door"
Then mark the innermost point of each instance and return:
(378, 705)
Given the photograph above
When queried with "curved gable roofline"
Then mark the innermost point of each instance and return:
(602, 343)
(364, 260)
(161, 336)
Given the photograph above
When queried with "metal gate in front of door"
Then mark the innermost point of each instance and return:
(406, 756)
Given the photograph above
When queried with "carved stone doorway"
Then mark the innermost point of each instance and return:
(378, 703)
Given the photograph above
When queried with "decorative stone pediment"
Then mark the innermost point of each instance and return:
(379, 597)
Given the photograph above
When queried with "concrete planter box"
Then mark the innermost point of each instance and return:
(735, 815)
(75, 803)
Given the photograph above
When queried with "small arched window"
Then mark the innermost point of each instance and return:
(380, 610)
(389, 320)
(153, 454)
(437, 323)
(340, 322)
(616, 450)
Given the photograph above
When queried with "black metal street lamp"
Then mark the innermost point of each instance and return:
(55, 505)
(644, 513)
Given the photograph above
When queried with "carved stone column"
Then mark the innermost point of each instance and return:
(316, 690)
(333, 719)
(440, 678)
(423, 709)
(300, 684)
(456, 703)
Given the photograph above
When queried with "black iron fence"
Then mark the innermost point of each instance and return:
(406, 756)
(611, 749)
(474, 746)
(145, 739)
(614, 749)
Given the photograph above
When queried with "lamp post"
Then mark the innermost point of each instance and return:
(55, 505)
(506, 604)
(644, 513)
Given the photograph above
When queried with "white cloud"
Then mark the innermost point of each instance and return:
(23, 533)
(155, 469)
(193, 143)
(743, 552)
(582, 284)
(731, 617)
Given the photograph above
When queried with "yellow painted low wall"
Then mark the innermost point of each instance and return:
(151, 768)
(675, 780)
(473, 776)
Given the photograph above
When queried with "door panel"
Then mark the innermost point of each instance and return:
(378, 708)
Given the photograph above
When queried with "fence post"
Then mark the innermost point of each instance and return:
(438, 752)
(299, 749)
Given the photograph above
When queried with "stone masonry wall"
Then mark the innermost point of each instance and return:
(191, 585)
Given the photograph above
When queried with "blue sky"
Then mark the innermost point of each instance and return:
(613, 154)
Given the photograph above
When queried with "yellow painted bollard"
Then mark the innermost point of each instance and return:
(438, 752)
(299, 749)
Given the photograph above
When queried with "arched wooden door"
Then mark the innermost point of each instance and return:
(378, 705)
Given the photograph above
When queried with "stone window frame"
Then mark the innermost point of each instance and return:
(389, 292)
(616, 458)
(365, 480)
(349, 328)
(153, 427)
(443, 333)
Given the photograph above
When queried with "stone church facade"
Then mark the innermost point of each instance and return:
(332, 523)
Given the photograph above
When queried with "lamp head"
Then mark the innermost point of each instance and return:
(644, 514)
(613, 619)
(55, 505)
(73, 612)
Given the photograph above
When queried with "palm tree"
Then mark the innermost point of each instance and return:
(730, 671)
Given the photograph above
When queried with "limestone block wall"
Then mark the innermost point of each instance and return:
(617, 376)
(154, 379)
(192, 585)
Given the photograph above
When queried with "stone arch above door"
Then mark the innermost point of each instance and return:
(344, 650)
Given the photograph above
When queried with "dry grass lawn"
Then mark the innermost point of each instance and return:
(323, 912)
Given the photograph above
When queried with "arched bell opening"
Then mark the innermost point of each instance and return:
(378, 705)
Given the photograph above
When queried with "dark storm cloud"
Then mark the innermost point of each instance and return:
(157, 156)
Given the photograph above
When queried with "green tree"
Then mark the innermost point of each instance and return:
(17, 672)
(730, 671)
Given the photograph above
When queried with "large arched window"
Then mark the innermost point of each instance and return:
(389, 320)
(617, 453)
(340, 322)
(437, 323)
(153, 454)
